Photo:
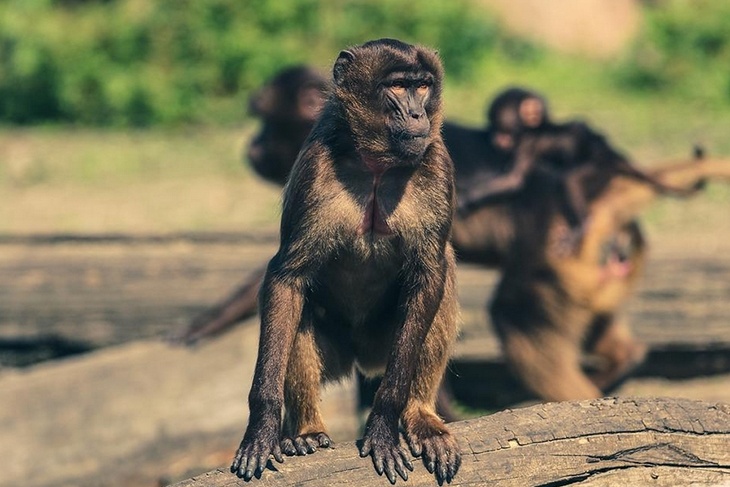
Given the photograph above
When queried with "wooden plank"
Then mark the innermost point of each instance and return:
(670, 441)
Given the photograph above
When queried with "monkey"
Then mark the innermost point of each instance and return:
(549, 308)
(580, 158)
(365, 273)
(288, 105)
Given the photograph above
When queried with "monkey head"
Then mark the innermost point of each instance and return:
(288, 106)
(514, 111)
(389, 93)
(296, 93)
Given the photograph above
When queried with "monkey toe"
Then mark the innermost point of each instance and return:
(305, 444)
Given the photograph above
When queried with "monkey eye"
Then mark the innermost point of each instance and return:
(423, 87)
(398, 86)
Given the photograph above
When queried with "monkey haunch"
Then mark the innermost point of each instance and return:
(365, 273)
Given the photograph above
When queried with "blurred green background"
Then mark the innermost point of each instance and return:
(129, 115)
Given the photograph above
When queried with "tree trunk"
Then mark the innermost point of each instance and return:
(604, 442)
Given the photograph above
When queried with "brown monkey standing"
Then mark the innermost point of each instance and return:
(365, 272)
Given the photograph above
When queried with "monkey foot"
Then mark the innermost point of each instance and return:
(438, 449)
(440, 454)
(306, 443)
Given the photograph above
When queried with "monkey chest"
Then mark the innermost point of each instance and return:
(377, 205)
(356, 291)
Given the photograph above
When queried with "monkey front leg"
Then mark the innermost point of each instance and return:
(281, 304)
(381, 439)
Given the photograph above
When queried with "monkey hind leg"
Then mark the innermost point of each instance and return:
(425, 432)
(614, 342)
(548, 363)
(313, 360)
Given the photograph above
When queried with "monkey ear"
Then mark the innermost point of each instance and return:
(343, 60)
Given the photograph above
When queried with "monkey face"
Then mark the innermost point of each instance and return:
(404, 96)
(391, 95)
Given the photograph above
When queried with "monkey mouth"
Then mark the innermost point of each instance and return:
(410, 145)
(616, 266)
(406, 135)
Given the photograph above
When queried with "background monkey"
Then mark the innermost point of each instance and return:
(289, 104)
(580, 158)
(549, 308)
(364, 274)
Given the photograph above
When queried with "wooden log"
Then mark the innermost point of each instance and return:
(628, 441)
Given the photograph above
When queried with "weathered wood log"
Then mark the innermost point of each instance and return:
(601, 442)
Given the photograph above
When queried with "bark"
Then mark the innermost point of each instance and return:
(601, 442)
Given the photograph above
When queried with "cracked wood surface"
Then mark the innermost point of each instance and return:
(632, 441)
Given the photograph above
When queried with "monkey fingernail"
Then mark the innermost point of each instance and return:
(399, 467)
(378, 465)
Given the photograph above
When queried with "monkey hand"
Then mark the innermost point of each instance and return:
(306, 443)
(261, 440)
(382, 442)
(437, 447)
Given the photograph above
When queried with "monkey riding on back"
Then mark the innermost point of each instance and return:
(365, 273)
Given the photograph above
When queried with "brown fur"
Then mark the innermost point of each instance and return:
(365, 273)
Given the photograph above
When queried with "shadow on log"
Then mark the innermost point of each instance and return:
(599, 443)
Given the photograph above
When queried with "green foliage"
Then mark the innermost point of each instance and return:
(684, 48)
(140, 62)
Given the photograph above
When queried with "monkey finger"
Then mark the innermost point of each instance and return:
(311, 444)
(277, 453)
(401, 466)
(441, 472)
(378, 463)
(249, 470)
(429, 456)
(415, 446)
(406, 459)
(454, 464)
(389, 468)
(301, 446)
(323, 440)
(287, 446)
(366, 447)
(236, 460)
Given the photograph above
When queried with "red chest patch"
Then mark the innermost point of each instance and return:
(373, 220)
